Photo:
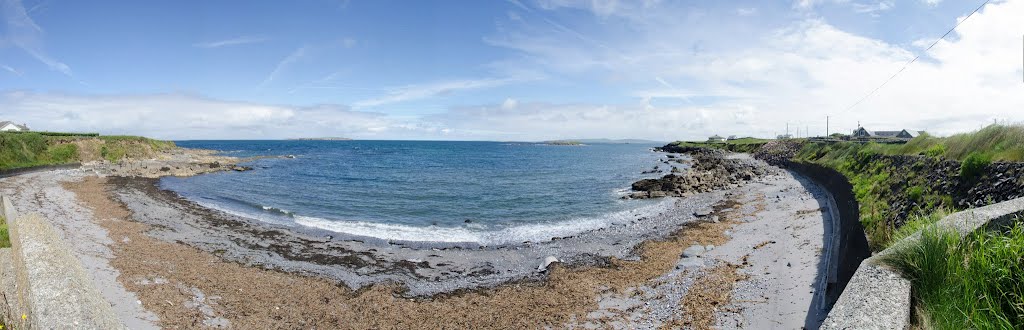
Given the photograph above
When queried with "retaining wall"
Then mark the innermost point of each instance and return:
(878, 297)
(849, 246)
(44, 283)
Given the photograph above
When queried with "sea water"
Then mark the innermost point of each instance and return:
(475, 192)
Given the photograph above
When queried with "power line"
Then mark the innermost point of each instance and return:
(855, 104)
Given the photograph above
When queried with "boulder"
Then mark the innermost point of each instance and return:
(694, 251)
(547, 262)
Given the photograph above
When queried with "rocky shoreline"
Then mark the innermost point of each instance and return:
(710, 170)
(190, 265)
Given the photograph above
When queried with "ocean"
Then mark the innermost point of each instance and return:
(488, 193)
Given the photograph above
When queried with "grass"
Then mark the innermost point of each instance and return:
(5, 235)
(19, 150)
(996, 142)
(28, 149)
(975, 282)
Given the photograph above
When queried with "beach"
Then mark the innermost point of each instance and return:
(164, 261)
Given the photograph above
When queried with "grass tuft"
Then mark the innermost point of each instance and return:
(976, 282)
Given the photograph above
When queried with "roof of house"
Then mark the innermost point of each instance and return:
(887, 133)
(716, 137)
(5, 123)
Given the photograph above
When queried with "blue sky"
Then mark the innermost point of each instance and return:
(504, 70)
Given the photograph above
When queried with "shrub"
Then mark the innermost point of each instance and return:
(935, 151)
(915, 193)
(974, 164)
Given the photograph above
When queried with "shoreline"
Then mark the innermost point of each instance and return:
(191, 264)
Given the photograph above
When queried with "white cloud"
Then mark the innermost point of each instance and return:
(751, 11)
(873, 8)
(509, 104)
(24, 33)
(284, 64)
(932, 3)
(8, 68)
(797, 74)
(243, 40)
(180, 116)
(422, 91)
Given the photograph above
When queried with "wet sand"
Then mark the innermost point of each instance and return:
(193, 267)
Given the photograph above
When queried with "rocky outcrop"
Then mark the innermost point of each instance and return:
(173, 162)
(777, 152)
(711, 170)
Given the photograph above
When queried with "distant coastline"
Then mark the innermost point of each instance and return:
(321, 139)
(564, 143)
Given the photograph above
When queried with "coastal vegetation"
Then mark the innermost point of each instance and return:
(29, 149)
(975, 282)
(5, 235)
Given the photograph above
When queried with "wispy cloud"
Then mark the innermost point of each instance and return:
(243, 40)
(24, 33)
(284, 64)
(8, 68)
(416, 92)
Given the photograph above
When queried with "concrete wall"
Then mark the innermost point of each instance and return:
(878, 297)
(50, 287)
(849, 246)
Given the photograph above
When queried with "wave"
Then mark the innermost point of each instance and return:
(472, 233)
(475, 233)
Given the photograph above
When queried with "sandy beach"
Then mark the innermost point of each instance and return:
(165, 262)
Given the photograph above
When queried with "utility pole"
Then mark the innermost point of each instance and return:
(826, 126)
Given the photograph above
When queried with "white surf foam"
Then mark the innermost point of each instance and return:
(473, 233)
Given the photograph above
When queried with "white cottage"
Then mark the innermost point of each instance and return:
(6, 126)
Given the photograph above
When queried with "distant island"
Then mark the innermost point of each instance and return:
(322, 139)
(563, 143)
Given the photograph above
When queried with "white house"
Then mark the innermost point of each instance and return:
(6, 126)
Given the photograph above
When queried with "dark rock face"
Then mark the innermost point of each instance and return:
(997, 182)
(777, 152)
(711, 170)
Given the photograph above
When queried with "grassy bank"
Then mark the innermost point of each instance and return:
(914, 188)
(28, 149)
(19, 150)
(976, 282)
(972, 283)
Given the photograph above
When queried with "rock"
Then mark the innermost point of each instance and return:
(693, 251)
(702, 213)
(547, 261)
(709, 247)
(689, 263)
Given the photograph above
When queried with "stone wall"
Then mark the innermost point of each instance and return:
(878, 297)
(45, 286)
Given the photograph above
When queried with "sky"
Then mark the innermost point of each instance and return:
(520, 70)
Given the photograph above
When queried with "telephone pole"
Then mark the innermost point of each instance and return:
(826, 126)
